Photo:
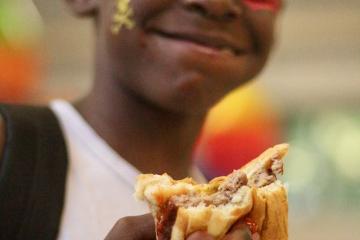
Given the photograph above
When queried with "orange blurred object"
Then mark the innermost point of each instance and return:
(19, 70)
(237, 130)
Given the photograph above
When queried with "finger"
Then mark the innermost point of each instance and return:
(146, 225)
(255, 236)
(133, 228)
(200, 236)
(238, 235)
(239, 231)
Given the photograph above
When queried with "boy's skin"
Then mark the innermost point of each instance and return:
(2, 137)
(151, 93)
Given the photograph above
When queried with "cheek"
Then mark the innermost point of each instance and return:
(270, 5)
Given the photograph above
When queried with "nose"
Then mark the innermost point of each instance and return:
(218, 9)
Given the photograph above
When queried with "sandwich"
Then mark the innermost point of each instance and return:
(252, 195)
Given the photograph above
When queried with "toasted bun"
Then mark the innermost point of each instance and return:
(214, 220)
(264, 202)
(157, 189)
(270, 212)
(265, 161)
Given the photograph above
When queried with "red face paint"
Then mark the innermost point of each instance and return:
(269, 5)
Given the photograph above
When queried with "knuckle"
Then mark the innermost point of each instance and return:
(125, 222)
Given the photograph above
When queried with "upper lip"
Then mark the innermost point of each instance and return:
(213, 40)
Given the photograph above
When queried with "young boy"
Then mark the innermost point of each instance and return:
(160, 66)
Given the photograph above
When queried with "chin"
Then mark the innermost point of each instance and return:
(193, 103)
(186, 105)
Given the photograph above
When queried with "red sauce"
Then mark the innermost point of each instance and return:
(247, 224)
(166, 220)
(251, 225)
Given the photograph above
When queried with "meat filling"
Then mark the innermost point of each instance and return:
(277, 167)
(266, 176)
(221, 197)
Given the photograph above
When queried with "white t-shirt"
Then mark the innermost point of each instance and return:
(99, 184)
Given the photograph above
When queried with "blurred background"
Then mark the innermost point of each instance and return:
(309, 96)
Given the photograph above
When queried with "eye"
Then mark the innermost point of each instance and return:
(270, 5)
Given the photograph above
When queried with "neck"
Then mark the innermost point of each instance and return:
(151, 139)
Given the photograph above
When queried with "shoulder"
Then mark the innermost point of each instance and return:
(2, 135)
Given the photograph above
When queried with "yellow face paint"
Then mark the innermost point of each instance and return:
(123, 16)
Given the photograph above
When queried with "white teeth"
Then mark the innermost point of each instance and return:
(228, 51)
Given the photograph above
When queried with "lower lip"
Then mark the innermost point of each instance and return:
(196, 47)
(202, 48)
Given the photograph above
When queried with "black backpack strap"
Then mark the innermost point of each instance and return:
(32, 174)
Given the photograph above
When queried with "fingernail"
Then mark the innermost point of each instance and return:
(200, 236)
(255, 236)
(240, 234)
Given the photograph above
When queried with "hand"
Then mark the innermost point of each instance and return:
(234, 235)
(238, 232)
(142, 228)
(133, 228)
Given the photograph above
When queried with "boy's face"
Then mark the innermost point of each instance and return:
(185, 55)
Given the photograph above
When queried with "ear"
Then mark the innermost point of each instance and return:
(84, 8)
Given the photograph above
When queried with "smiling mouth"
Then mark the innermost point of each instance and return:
(218, 45)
